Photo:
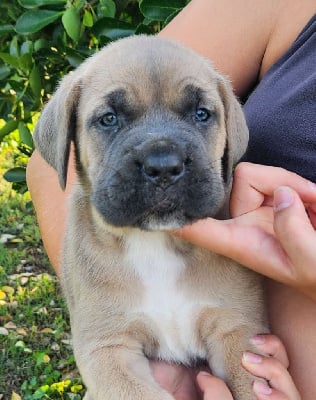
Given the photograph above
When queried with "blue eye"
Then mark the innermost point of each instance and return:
(202, 115)
(108, 119)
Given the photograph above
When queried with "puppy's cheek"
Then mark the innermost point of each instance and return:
(117, 203)
(207, 197)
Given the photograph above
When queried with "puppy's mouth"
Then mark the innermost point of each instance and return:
(158, 186)
(154, 208)
(164, 214)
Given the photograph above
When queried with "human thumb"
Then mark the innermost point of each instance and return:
(291, 223)
(213, 388)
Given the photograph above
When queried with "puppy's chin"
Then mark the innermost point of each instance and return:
(164, 224)
(149, 222)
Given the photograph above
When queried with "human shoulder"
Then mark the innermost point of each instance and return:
(242, 37)
(293, 16)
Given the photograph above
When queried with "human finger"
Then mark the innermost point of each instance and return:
(176, 379)
(272, 346)
(240, 238)
(254, 184)
(311, 210)
(263, 391)
(297, 236)
(274, 372)
(213, 388)
(251, 239)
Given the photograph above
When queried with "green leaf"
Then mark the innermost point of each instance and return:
(5, 71)
(78, 4)
(35, 81)
(87, 19)
(40, 44)
(107, 8)
(25, 135)
(8, 59)
(26, 62)
(38, 3)
(71, 22)
(14, 47)
(16, 174)
(34, 20)
(144, 29)
(171, 16)
(160, 10)
(27, 47)
(8, 128)
(74, 57)
(7, 28)
(122, 4)
(112, 28)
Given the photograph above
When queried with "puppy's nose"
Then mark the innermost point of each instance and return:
(163, 167)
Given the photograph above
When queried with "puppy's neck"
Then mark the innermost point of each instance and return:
(152, 255)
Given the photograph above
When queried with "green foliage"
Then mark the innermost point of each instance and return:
(36, 358)
(42, 40)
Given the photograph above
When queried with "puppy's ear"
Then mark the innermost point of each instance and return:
(236, 127)
(57, 125)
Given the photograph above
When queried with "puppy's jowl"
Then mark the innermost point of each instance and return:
(156, 132)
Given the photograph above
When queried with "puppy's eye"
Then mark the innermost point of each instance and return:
(202, 115)
(109, 119)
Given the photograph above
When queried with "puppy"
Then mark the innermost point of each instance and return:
(156, 132)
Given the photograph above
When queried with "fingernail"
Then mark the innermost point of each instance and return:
(283, 198)
(258, 339)
(312, 185)
(252, 358)
(204, 373)
(260, 387)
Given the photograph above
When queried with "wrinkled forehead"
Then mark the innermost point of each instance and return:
(147, 76)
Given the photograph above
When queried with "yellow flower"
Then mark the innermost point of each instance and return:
(76, 388)
(60, 386)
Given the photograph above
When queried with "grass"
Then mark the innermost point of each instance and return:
(36, 359)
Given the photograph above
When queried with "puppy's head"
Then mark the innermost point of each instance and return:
(156, 132)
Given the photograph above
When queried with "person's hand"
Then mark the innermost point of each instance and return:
(178, 380)
(272, 368)
(213, 388)
(273, 229)
(186, 384)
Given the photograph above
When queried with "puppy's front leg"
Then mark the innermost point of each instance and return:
(226, 335)
(119, 372)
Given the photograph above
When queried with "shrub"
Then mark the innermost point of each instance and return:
(42, 40)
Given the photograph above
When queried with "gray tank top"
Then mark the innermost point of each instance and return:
(281, 111)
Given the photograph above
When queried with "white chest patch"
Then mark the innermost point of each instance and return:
(171, 310)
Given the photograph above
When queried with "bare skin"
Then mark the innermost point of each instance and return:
(178, 380)
(217, 29)
(271, 231)
(272, 234)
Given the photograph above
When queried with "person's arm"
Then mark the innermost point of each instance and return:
(242, 38)
(233, 35)
(50, 203)
(271, 232)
